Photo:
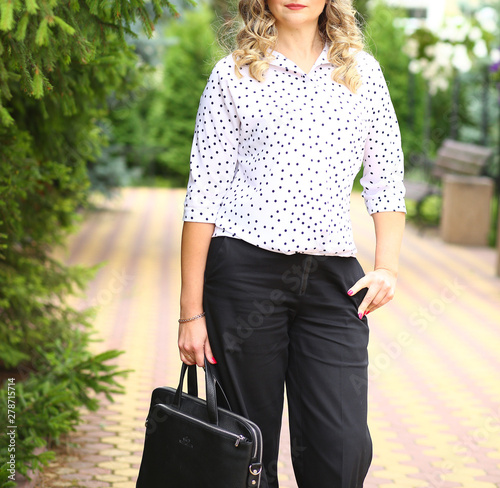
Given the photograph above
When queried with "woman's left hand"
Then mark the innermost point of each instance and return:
(381, 284)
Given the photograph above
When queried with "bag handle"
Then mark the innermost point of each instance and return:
(211, 383)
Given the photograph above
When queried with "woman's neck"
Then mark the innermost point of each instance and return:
(304, 43)
(300, 48)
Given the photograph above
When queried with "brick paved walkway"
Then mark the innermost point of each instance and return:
(434, 352)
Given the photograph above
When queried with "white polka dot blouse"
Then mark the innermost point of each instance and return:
(273, 162)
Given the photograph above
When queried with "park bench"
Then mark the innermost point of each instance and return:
(453, 157)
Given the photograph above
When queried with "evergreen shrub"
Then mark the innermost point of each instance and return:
(60, 63)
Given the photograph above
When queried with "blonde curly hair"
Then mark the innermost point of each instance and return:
(337, 25)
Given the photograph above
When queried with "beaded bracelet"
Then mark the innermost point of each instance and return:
(181, 321)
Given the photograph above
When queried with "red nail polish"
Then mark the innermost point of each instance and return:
(360, 315)
(349, 292)
(366, 313)
(214, 361)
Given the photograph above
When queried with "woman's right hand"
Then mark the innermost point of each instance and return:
(193, 342)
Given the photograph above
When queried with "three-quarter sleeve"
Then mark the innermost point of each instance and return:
(383, 160)
(214, 151)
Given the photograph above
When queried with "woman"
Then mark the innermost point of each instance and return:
(271, 289)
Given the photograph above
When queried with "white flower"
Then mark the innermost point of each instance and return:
(423, 63)
(411, 48)
(475, 34)
(430, 51)
(431, 71)
(480, 49)
(446, 33)
(455, 29)
(455, 21)
(460, 59)
(438, 83)
(443, 53)
(415, 66)
(441, 83)
(495, 56)
(488, 19)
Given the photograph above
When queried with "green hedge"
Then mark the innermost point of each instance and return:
(61, 62)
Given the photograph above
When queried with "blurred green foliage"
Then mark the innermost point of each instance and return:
(422, 132)
(383, 39)
(154, 127)
(424, 121)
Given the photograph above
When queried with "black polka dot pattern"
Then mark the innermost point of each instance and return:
(273, 162)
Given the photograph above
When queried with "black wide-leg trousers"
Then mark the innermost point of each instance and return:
(276, 319)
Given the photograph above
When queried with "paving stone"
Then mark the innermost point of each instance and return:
(131, 472)
(116, 428)
(97, 471)
(492, 478)
(428, 403)
(126, 445)
(111, 453)
(124, 484)
(77, 476)
(65, 470)
(133, 434)
(112, 478)
(112, 440)
(114, 465)
(93, 447)
(81, 465)
(87, 427)
(126, 458)
(99, 458)
(97, 484)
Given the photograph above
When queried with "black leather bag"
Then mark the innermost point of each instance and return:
(194, 443)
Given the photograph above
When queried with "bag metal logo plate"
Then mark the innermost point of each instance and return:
(186, 441)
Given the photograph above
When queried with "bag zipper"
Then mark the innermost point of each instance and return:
(255, 434)
(237, 437)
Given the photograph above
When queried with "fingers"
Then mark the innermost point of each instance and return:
(193, 344)
(381, 286)
(377, 296)
(208, 352)
(359, 285)
(187, 359)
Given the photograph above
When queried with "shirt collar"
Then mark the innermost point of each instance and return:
(280, 60)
